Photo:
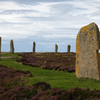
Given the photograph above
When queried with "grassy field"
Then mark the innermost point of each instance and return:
(60, 79)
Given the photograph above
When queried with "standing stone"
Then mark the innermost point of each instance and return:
(87, 57)
(68, 48)
(11, 47)
(99, 35)
(56, 48)
(34, 47)
(0, 48)
(99, 39)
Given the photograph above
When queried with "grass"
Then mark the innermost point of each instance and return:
(60, 79)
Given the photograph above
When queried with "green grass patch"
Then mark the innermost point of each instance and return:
(60, 79)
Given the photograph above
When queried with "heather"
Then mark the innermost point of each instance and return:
(50, 61)
(71, 94)
(12, 88)
(35, 83)
(11, 78)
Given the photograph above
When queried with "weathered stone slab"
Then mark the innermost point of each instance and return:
(11, 47)
(68, 48)
(87, 56)
(56, 48)
(34, 47)
(0, 47)
(99, 39)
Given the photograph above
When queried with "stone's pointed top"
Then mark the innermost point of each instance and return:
(91, 25)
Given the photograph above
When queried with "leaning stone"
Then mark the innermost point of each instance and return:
(87, 56)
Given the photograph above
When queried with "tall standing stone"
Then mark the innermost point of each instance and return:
(0, 48)
(34, 47)
(56, 48)
(68, 48)
(87, 57)
(11, 47)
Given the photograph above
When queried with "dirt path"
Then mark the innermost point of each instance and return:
(9, 57)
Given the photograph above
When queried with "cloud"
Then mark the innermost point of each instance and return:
(16, 11)
(34, 2)
(46, 21)
(84, 7)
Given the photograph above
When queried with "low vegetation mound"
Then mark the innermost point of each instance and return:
(50, 61)
(12, 87)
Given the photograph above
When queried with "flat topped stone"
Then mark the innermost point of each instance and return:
(87, 56)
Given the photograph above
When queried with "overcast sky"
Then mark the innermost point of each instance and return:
(47, 22)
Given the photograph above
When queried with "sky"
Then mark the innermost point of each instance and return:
(45, 22)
